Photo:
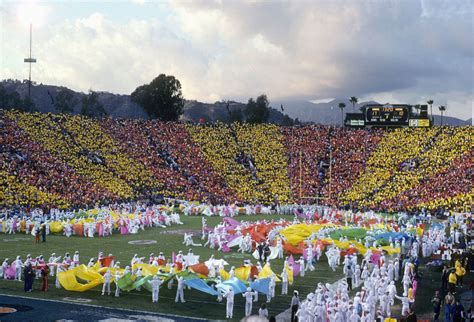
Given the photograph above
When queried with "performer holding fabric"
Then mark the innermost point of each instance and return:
(18, 264)
(118, 276)
(271, 288)
(249, 296)
(180, 290)
(155, 286)
(230, 303)
(284, 282)
(107, 280)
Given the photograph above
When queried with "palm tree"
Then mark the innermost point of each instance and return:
(342, 106)
(430, 103)
(442, 109)
(354, 101)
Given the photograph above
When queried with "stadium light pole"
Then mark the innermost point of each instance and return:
(30, 60)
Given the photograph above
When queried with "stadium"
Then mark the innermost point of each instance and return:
(107, 161)
(148, 206)
(248, 172)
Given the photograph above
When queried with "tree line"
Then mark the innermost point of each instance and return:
(64, 102)
(161, 99)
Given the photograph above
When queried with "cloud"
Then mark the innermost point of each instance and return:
(405, 50)
(339, 48)
(139, 2)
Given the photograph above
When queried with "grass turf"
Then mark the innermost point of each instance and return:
(168, 240)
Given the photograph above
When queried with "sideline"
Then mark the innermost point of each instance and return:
(125, 311)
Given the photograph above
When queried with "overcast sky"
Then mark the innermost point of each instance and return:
(389, 51)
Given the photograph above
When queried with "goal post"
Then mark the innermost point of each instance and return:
(301, 179)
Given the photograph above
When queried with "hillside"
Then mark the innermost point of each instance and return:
(44, 96)
(121, 106)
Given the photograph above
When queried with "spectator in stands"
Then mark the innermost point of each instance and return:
(62, 161)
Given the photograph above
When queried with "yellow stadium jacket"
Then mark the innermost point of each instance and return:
(460, 271)
(452, 278)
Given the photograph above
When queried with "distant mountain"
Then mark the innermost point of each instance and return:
(329, 113)
(449, 120)
(320, 113)
(121, 106)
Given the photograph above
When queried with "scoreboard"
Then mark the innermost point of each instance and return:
(387, 115)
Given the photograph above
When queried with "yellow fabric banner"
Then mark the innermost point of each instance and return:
(225, 276)
(86, 274)
(242, 273)
(267, 272)
(56, 227)
(69, 282)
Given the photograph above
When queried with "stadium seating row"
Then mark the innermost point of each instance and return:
(71, 161)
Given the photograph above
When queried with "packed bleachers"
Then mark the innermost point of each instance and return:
(192, 163)
(41, 178)
(70, 161)
(168, 151)
(100, 149)
(403, 160)
(394, 153)
(350, 151)
(442, 148)
(132, 137)
(263, 144)
(308, 154)
(219, 146)
(444, 174)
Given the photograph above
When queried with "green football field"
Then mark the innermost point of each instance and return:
(168, 240)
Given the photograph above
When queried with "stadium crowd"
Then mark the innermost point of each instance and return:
(50, 133)
(33, 176)
(220, 146)
(308, 152)
(350, 152)
(442, 149)
(133, 137)
(191, 162)
(451, 186)
(406, 159)
(71, 161)
(264, 143)
(400, 146)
